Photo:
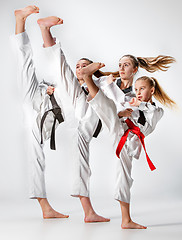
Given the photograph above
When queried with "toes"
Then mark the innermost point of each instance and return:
(34, 9)
(60, 21)
(144, 227)
(133, 226)
(141, 227)
(101, 65)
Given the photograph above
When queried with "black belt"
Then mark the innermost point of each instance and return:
(141, 119)
(98, 129)
(57, 116)
(99, 125)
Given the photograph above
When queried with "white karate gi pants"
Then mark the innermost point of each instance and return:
(87, 124)
(106, 110)
(36, 158)
(29, 88)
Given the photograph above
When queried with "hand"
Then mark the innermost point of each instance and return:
(126, 113)
(111, 79)
(50, 90)
(134, 102)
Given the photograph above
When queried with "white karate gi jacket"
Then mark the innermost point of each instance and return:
(36, 102)
(107, 112)
(87, 123)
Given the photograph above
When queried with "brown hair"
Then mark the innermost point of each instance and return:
(159, 93)
(152, 64)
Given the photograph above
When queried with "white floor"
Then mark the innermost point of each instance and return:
(23, 221)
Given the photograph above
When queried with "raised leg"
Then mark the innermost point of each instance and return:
(87, 72)
(45, 24)
(27, 77)
(29, 85)
(21, 16)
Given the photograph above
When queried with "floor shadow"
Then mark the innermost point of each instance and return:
(165, 224)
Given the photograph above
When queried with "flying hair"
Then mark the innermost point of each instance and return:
(150, 64)
(159, 94)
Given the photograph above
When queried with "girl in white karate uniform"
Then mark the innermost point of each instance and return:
(129, 144)
(88, 120)
(37, 102)
(128, 67)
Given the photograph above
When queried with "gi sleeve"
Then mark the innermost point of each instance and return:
(113, 92)
(68, 79)
(152, 115)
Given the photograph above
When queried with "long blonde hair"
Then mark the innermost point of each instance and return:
(159, 93)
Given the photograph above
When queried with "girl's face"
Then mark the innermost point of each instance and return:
(126, 69)
(81, 64)
(144, 91)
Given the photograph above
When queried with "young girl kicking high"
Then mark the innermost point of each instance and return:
(129, 132)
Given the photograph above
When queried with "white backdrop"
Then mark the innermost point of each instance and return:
(103, 31)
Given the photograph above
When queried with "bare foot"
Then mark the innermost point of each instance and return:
(48, 22)
(132, 225)
(53, 214)
(25, 12)
(95, 218)
(91, 68)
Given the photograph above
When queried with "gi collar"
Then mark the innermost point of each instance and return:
(126, 90)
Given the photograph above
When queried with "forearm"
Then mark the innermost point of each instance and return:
(93, 89)
(113, 92)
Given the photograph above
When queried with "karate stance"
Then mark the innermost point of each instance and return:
(88, 120)
(37, 101)
(127, 132)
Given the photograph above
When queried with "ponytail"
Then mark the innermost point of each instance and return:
(159, 94)
(152, 64)
(99, 73)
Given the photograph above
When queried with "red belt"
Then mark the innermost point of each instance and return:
(135, 130)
